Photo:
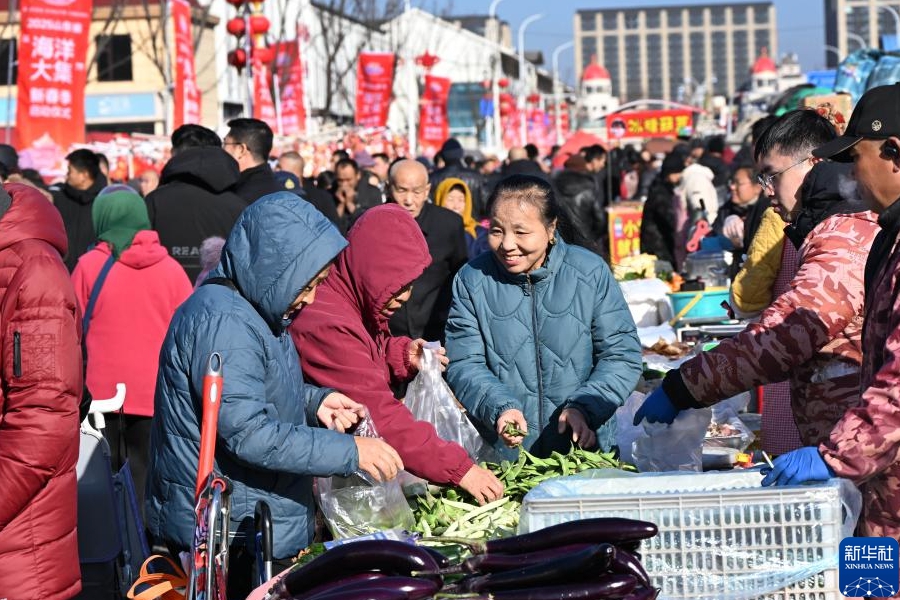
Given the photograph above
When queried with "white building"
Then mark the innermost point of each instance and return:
(595, 98)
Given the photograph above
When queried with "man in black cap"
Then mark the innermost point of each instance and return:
(453, 154)
(863, 445)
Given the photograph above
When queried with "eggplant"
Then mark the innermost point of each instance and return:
(440, 558)
(565, 567)
(609, 587)
(369, 577)
(414, 588)
(600, 530)
(495, 563)
(364, 594)
(643, 593)
(625, 563)
(387, 556)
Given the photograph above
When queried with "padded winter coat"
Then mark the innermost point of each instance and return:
(269, 443)
(40, 388)
(559, 336)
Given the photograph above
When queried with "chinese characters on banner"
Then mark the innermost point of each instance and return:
(649, 123)
(51, 80)
(290, 74)
(263, 105)
(434, 127)
(187, 94)
(624, 230)
(374, 83)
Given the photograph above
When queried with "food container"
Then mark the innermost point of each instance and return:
(723, 441)
(709, 265)
(701, 304)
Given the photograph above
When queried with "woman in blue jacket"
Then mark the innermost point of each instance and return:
(539, 334)
(275, 433)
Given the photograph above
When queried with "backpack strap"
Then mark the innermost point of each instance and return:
(95, 291)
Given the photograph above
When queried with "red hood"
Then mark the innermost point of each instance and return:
(144, 251)
(387, 252)
(31, 216)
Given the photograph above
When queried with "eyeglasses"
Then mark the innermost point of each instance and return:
(767, 180)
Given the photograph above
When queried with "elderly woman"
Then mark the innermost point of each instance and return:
(539, 335)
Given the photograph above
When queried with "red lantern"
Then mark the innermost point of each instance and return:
(534, 98)
(427, 60)
(237, 58)
(262, 54)
(236, 3)
(236, 27)
(503, 83)
(259, 24)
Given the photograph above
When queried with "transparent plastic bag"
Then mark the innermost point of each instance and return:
(359, 505)
(675, 447)
(727, 412)
(429, 398)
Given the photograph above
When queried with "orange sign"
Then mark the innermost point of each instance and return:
(624, 230)
(649, 123)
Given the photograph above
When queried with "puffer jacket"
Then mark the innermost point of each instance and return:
(810, 335)
(864, 444)
(268, 441)
(40, 388)
(559, 336)
(345, 343)
(75, 207)
(751, 290)
(578, 191)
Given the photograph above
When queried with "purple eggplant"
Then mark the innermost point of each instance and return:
(440, 558)
(643, 593)
(369, 577)
(625, 563)
(609, 587)
(495, 563)
(565, 567)
(386, 556)
(611, 530)
(415, 588)
(364, 594)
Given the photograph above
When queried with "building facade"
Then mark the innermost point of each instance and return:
(671, 52)
(854, 24)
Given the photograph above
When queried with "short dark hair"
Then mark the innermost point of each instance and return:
(102, 160)
(382, 156)
(532, 151)
(760, 125)
(593, 152)
(795, 133)
(85, 160)
(716, 144)
(192, 135)
(254, 134)
(341, 154)
(325, 180)
(347, 162)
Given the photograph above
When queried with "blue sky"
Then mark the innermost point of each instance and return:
(801, 24)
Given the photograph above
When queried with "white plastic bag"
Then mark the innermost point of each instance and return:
(429, 398)
(358, 505)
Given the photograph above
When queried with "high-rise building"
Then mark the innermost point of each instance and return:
(668, 52)
(854, 24)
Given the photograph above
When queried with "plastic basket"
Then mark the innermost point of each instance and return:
(700, 304)
(721, 535)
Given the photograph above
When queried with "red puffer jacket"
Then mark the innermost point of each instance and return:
(41, 376)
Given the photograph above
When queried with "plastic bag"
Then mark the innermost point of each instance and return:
(727, 412)
(358, 505)
(429, 398)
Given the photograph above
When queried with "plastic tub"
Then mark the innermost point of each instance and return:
(701, 304)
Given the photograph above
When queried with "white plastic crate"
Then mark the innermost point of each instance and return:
(721, 535)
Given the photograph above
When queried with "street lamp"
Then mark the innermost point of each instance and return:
(557, 85)
(497, 133)
(896, 16)
(833, 50)
(858, 39)
(523, 128)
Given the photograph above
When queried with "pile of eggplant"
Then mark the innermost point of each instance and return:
(590, 559)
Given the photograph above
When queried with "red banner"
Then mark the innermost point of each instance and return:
(648, 123)
(290, 74)
(52, 77)
(374, 83)
(187, 94)
(263, 105)
(434, 127)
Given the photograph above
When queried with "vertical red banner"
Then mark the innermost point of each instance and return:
(52, 76)
(187, 93)
(434, 127)
(374, 84)
(289, 69)
(263, 105)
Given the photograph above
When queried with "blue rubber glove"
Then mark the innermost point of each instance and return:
(657, 408)
(796, 467)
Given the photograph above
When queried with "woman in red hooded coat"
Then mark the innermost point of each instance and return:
(346, 344)
(40, 389)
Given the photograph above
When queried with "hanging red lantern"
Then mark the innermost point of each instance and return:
(262, 54)
(259, 24)
(534, 98)
(427, 60)
(236, 27)
(503, 83)
(238, 58)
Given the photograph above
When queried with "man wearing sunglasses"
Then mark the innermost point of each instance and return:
(810, 335)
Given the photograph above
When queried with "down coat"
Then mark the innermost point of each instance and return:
(345, 343)
(269, 443)
(559, 336)
(40, 388)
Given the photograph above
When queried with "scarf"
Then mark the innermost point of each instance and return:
(440, 198)
(118, 216)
